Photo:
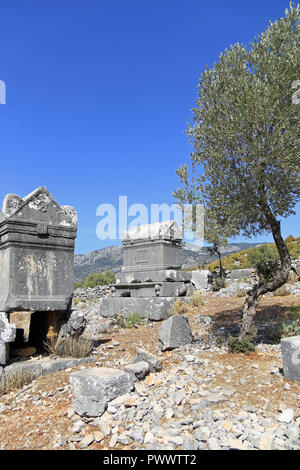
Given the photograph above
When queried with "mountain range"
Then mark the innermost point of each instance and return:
(111, 258)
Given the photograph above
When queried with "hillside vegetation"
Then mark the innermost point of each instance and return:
(97, 279)
(246, 258)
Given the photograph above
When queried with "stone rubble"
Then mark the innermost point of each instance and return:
(178, 409)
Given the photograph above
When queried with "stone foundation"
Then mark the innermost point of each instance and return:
(151, 280)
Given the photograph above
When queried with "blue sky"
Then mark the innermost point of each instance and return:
(99, 94)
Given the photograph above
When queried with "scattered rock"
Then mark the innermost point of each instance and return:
(137, 370)
(174, 332)
(93, 388)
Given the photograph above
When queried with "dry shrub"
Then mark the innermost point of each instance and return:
(281, 292)
(196, 299)
(293, 278)
(15, 380)
(72, 346)
(241, 292)
(178, 308)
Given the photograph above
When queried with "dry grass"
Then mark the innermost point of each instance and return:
(17, 379)
(196, 299)
(178, 308)
(281, 292)
(181, 307)
(72, 346)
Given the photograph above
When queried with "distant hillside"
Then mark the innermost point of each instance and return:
(111, 258)
(238, 260)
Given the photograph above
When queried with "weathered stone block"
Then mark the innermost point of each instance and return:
(138, 370)
(290, 350)
(7, 335)
(161, 275)
(201, 279)
(154, 308)
(93, 388)
(36, 253)
(174, 332)
(240, 273)
(155, 364)
(152, 246)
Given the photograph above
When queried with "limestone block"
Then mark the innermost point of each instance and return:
(93, 388)
(137, 370)
(155, 364)
(37, 238)
(174, 332)
(154, 308)
(290, 350)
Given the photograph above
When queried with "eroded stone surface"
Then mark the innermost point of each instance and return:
(93, 388)
(36, 253)
(174, 332)
(290, 350)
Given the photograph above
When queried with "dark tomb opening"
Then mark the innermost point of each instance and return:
(39, 325)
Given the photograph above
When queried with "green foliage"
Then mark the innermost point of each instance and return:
(286, 328)
(264, 259)
(97, 279)
(241, 259)
(245, 133)
(132, 320)
(232, 261)
(237, 346)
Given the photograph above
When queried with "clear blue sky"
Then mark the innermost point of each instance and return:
(99, 93)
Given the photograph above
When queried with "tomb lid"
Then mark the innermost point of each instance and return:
(168, 230)
(38, 206)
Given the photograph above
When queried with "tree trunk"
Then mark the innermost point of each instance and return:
(221, 269)
(279, 280)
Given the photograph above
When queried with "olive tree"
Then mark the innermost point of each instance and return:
(216, 231)
(246, 141)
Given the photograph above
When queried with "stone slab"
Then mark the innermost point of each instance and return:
(154, 308)
(152, 255)
(290, 350)
(167, 230)
(240, 273)
(174, 332)
(93, 388)
(138, 370)
(201, 279)
(150, 289)
(155, 364)
(162, 275)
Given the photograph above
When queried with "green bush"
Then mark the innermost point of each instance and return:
(289, 327)
(132, 320)
(236, 346)
(265, 259)
(97, 279)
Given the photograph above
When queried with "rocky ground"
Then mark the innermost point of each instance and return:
(203, 398)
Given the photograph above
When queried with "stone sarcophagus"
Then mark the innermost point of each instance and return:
(152, 247)
(151, 279)
(37, 239)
